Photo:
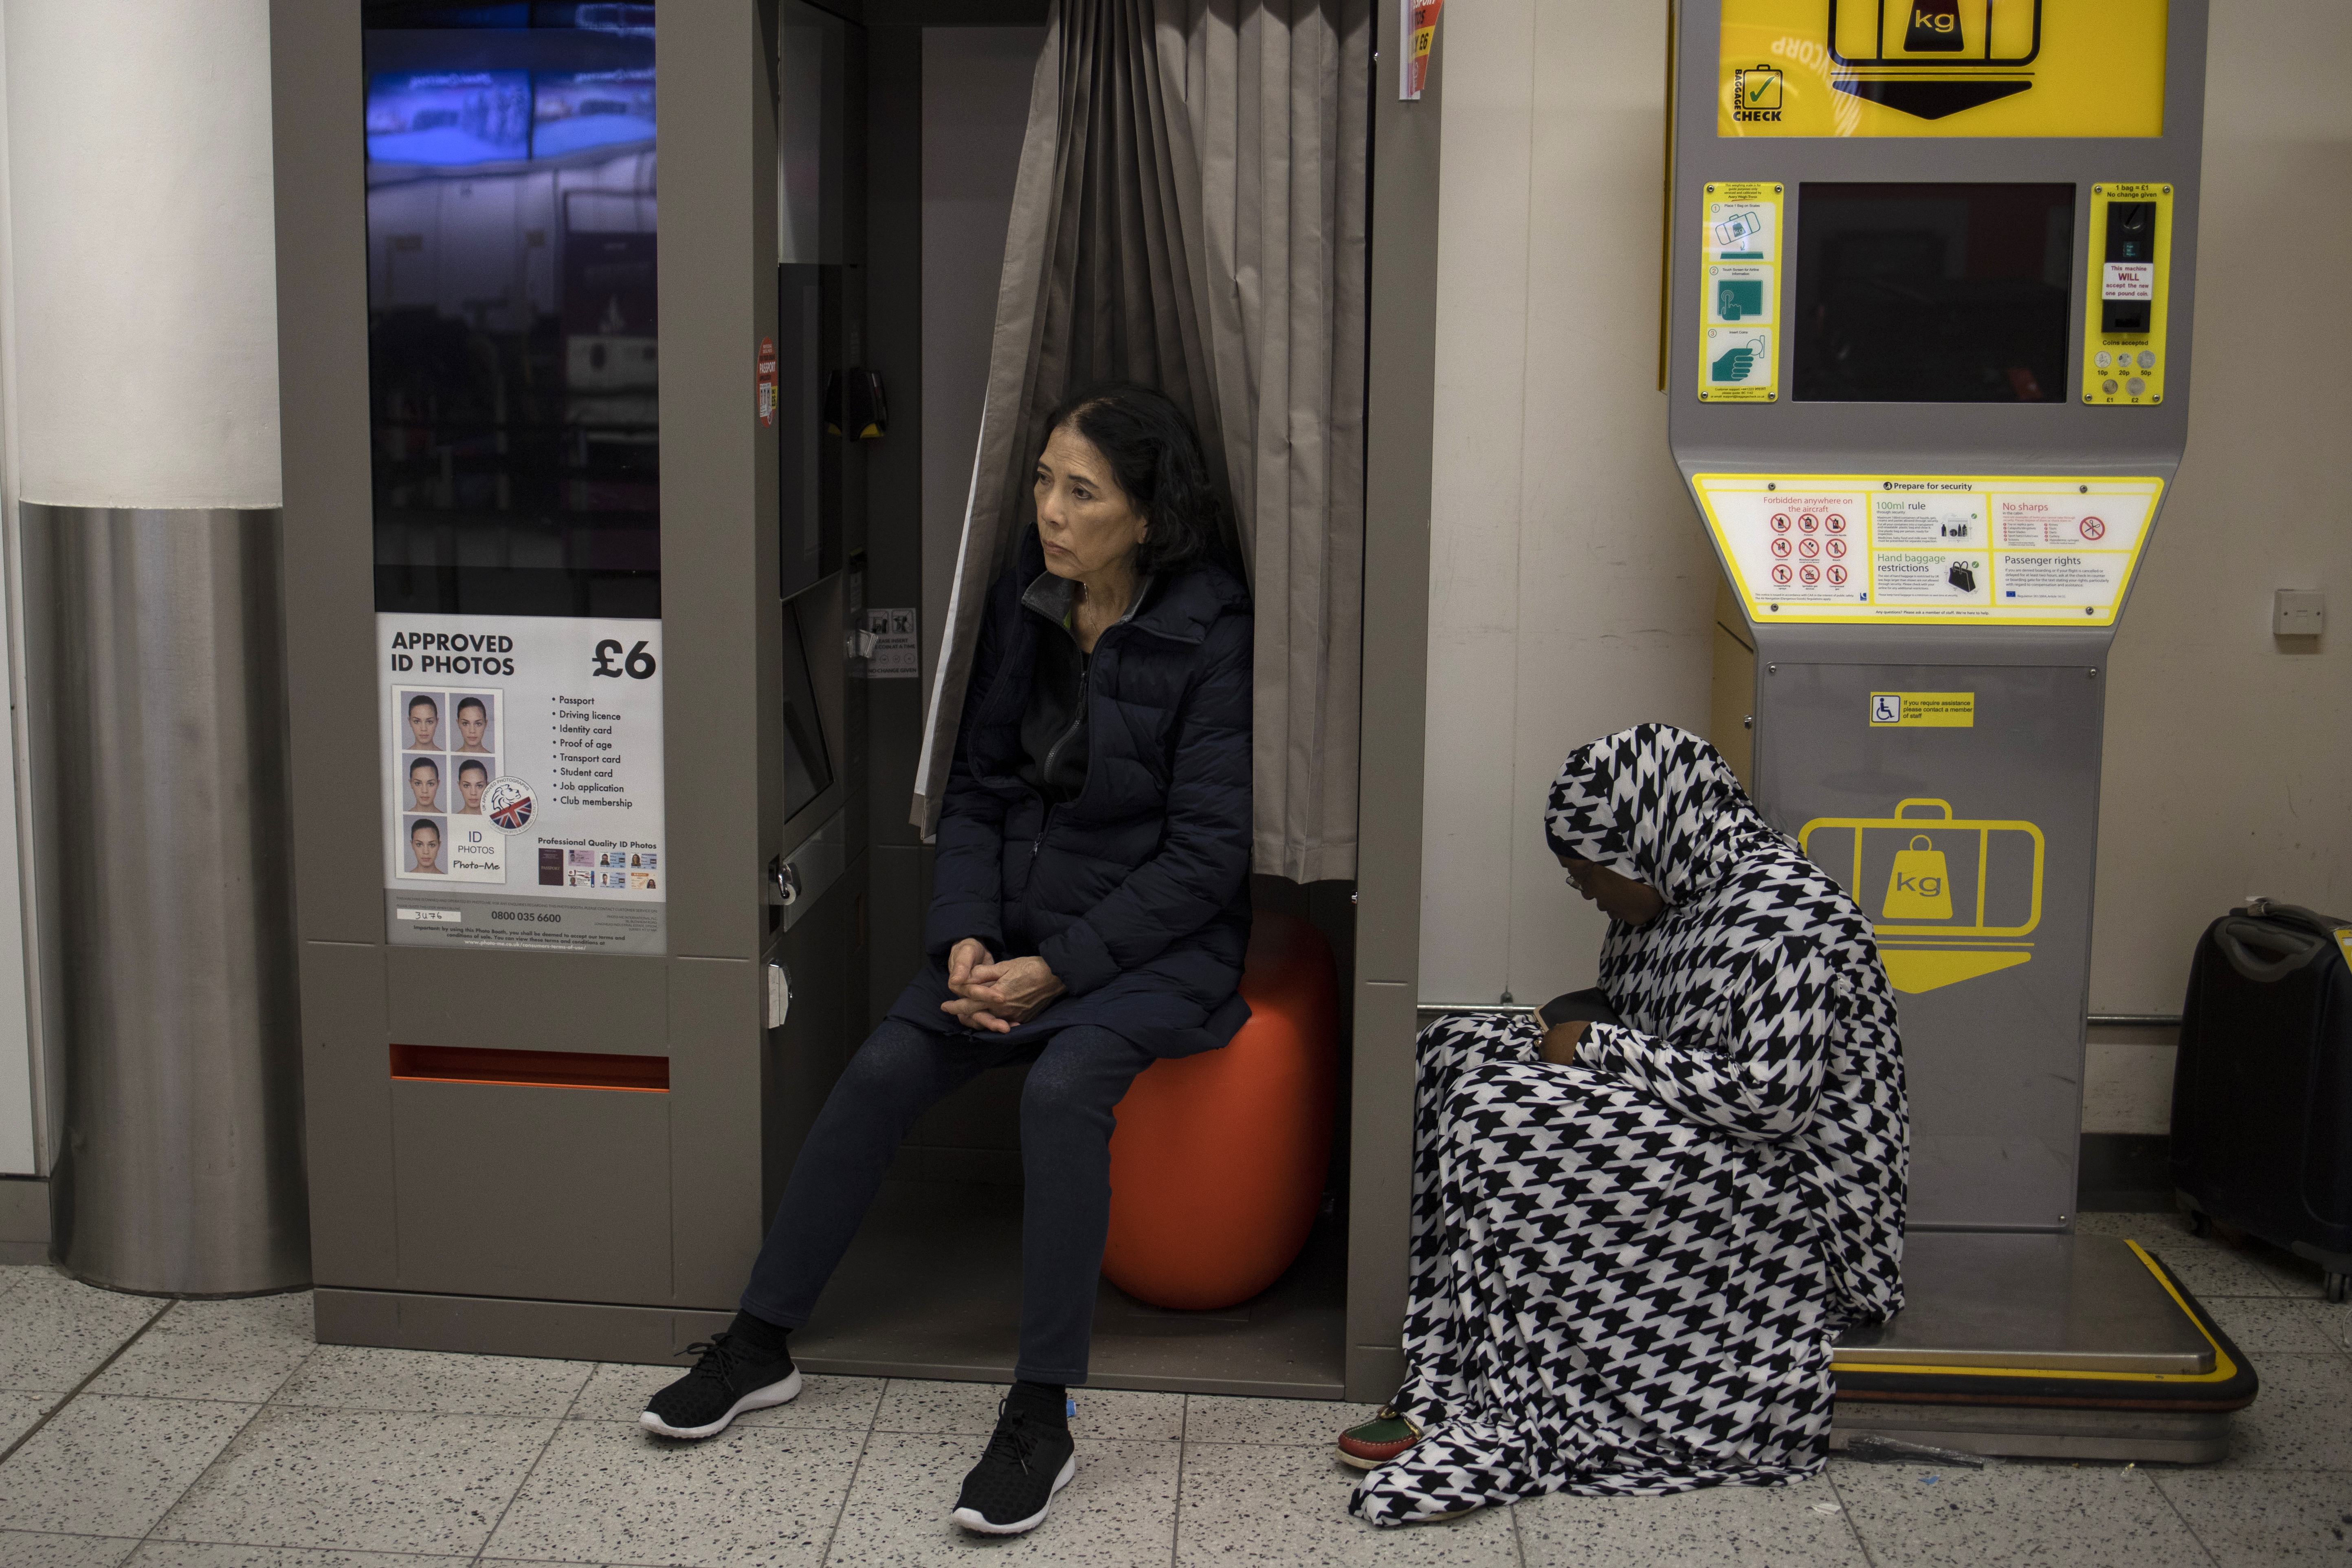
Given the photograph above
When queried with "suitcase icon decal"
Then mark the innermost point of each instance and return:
(1961, 894)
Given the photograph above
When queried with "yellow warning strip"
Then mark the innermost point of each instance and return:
(2224, 1369)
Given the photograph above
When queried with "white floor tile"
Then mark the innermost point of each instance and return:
(1288, 1505)
(362, 1480)
(29, 1550)
(2156, 1231)
(618, 1393)
(1315, 1423)
(2088, 1516)
(910, 1406)
(2248, 1518)
(214, 1555)
(609, 1493)
(239, 1349)
(56, 1332)
(2216, 1271)
(114, 1466)
(2274, 1326)
(1119, 1510)
(20, 1549)
(19, 1410)
(1733, 1527)
(2301, 1419)
(364, 1377)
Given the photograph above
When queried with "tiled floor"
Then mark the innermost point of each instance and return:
(215, 1434)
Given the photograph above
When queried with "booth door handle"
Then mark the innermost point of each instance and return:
(784, 883)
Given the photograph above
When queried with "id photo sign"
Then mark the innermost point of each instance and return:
(522, 779)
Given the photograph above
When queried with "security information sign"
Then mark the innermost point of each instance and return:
(1941, 67)
(1739, 291)
(522, 776)
(1937, 548)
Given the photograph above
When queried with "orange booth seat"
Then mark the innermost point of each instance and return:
(1218, 1163)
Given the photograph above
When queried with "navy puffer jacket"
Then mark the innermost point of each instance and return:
(1137, 891)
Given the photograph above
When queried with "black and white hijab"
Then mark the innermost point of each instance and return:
(1756, 1002)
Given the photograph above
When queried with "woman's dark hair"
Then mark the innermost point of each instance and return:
(1156, 459)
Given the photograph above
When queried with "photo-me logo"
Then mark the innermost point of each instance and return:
(1924, 58)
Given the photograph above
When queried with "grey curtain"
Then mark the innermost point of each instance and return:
(1190, 213)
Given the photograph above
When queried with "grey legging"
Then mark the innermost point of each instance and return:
(1065, 1125)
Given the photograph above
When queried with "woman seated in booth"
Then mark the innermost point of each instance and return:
(1091, 913)
(1637, 1233)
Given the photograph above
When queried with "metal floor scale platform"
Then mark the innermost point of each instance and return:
(2075, 1347)
(1926, 360)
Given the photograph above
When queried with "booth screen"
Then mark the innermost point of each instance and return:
(1933, 293)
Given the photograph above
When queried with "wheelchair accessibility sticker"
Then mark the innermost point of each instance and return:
(1952, 897)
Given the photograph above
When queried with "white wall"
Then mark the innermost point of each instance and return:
(145, 288)
(1570, 586)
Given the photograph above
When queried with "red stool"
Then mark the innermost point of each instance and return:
(1217, 1165)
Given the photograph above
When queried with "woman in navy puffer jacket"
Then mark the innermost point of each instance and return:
(1090, 914)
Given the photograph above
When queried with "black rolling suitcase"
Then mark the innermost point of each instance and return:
(2261, 1090)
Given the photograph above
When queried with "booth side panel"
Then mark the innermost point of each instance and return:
(346, 1110)
(722, 702)
(716, 1216)
(322, 368)
(1399, 414)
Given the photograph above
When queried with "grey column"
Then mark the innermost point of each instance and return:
(158, 670)
(144, 490)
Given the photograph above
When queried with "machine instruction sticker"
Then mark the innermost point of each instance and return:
(896, 653)
(1740, 293)
(1922, 710)
(523, 782)
(1956, 550)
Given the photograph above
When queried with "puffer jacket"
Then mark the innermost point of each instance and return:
(1137, 891)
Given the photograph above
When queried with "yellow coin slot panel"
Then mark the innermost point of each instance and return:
(2125, 355)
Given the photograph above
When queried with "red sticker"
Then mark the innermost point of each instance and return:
(765, 380)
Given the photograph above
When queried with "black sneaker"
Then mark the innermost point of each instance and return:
(724, 1384)
(1027, 1462)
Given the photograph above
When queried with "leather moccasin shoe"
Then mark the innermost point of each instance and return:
(1376, 1441)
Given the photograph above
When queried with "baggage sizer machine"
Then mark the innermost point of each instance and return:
(1932, 270)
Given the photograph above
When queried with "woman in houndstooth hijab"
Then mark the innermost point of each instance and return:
(1633, 1245)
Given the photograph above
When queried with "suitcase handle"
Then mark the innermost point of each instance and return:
(2293, 948)
(2312, 920)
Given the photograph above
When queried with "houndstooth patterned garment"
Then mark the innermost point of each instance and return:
(1628, 1272)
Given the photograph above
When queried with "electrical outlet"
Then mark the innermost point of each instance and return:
(2298, 613)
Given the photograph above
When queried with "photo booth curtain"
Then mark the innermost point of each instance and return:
(1189, 214)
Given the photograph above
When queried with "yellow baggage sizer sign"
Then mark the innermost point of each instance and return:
(1941, 67)
(1919, 901)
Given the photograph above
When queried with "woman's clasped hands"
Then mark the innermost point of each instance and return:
(996, 996)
